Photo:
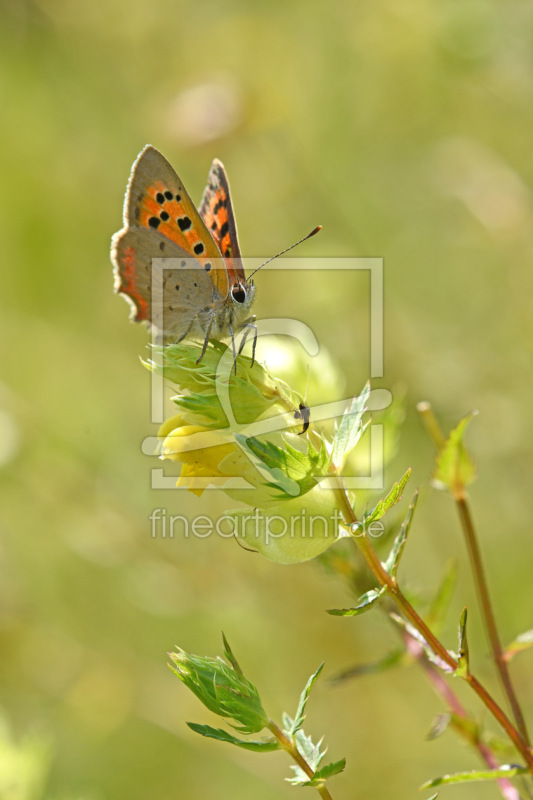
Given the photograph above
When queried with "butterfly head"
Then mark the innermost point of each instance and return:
(243, 293)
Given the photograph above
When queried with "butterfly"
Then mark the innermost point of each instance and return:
(197, 288)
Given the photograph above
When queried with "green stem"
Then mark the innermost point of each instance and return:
(384, 579)
(480, 579)
(289, 746)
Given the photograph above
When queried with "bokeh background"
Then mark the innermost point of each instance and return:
(404, 128)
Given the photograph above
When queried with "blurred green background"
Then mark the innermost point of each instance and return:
(404, 128)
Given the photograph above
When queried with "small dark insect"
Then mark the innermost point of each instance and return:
(303, 413)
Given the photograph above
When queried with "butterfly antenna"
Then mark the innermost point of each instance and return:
(313, 232)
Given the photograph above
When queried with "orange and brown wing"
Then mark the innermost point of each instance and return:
(157, 200)
(216, 210)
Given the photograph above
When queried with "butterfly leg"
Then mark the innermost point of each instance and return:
(233, 348)
(250, 325)
(206, 340)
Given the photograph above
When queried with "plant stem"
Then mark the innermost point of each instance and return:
(480, 579)
(288, 745)
(384, 579)
(488, 613)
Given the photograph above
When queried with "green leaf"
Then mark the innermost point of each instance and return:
(462, 665)
(393, 561)
(365, 603)
(388, 661)
(350, 429)
(434, 796)
(455, 467)
(224, 736)
(320, 777)
(440, 724)
(522, 642)
(441, 602)
(311, 752)
(505, 771)
(304, 697)
(387, 502)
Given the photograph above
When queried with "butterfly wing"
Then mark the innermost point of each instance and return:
(216, 210)
(157, 201)
(172, 293)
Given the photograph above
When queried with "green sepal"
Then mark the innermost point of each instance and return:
(351, 428)
(228, 652)
(393, 561)
(505, 771)
(462, 661)
(224, 736)
(289, 469)
(365, 603)
(393, 497)
(328, 771)
(455, 468)
(304, 697)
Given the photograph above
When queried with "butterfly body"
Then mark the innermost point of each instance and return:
(180, 268)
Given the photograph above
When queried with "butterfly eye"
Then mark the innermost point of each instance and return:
(238, 293)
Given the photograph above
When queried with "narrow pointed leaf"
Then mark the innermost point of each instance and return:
(392, 659)
(505, 771)
(224, 736)
(304, 697)
(328, 771)
(462, 668)
(365, 603)
(351, 428)
(393, 561)
(455, 466)
(387, 502)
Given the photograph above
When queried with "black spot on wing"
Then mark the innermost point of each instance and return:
(184, 223)
(153, 222)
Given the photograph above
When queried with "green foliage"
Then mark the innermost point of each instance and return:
(304, 697)
(462, 660)
(224, 736)
(393, 561)
(325, 772)
(221, 688)
(455, 468)
(393, 497)
(350, 429)
(505, 771)
(365, 603)
(312, 753)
